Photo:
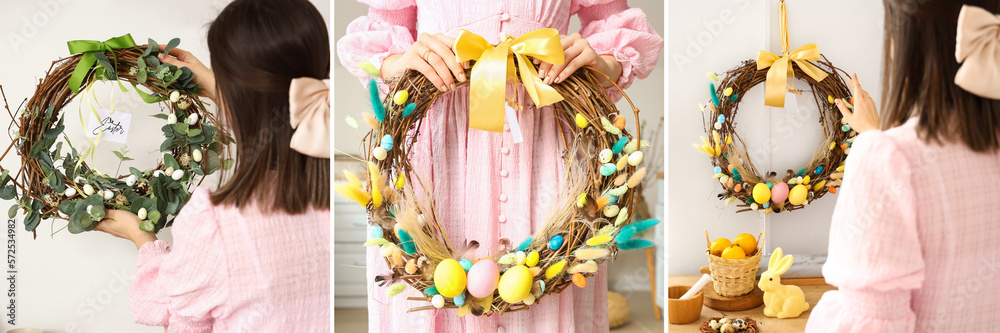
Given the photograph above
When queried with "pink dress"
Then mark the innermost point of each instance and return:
(913, 244)
(486, 187)
(236, 271)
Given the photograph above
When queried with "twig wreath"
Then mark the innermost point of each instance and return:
(56, 181)
(733, 167)
(588, 226)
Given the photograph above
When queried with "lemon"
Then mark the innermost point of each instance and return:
(719, 245)
(734, 252)
(747, 242)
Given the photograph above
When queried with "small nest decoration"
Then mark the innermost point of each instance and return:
(728, 325)
(56, 182)
(733, 168)
(589, 225)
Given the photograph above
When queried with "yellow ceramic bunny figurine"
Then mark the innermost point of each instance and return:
(779, 300)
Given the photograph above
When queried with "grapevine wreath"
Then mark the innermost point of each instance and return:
(56, 181)
(740, 179)
(588, 226)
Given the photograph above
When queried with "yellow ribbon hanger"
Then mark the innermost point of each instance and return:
(781, 69)
(495, 66)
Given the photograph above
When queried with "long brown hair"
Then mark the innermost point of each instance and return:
(919, 69)
(258, 47)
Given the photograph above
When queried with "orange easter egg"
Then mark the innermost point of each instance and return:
(579, 280)
(620, 122)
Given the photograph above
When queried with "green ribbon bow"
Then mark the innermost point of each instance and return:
(89, 48)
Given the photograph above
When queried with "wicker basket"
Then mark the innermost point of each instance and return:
(734, 277)
(751, 329)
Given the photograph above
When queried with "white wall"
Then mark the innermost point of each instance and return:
(715, 36)
(78, 283)
(630, 272)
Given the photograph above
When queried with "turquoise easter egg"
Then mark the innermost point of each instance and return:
(375, 231)
(459, 300)
(387, 142)
(819, 169)
(555, 242)
(608, 169)
(722, 119)
(466, 264)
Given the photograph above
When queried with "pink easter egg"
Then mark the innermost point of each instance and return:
(483, 278)
(779, 192)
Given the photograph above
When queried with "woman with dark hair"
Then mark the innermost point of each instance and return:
(913, 238)
(487, 186)
(254, 254)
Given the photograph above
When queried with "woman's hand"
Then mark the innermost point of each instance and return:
(431, 55)
(579, 53)
(124, 224)
(865, 116)
(203, 76)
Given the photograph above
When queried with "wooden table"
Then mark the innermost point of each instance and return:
(766, 324)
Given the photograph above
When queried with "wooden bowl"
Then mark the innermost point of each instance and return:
(683, 311)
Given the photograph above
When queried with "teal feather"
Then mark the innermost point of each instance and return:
(525, 244)
(715, 96)
(734, 97)
(625, 234)
(407, 242)
(409, 109)
(634, 244)
(643, 225)
(617, 148)
(376, 100)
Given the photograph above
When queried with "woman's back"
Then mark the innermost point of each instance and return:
(912, 238)
(237, 270)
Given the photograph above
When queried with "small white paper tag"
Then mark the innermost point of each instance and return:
(791, 104)
(515, 129)
(115, 125)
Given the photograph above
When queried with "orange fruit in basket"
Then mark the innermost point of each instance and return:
(734, 252)
(748, 243)
(719, 245)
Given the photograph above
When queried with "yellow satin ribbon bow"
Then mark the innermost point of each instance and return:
(781, 68)
(495, 66)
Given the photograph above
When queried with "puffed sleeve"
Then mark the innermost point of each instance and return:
(389, 28)
(612, 28)
(875, 257)
(183, 287)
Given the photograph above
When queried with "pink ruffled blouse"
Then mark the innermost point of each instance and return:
(485, 186)
(233, 270)
(913, 242)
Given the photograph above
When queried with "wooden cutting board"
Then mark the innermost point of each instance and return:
(722, 303)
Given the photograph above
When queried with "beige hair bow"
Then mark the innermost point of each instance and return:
(977, 47)
(309, 114)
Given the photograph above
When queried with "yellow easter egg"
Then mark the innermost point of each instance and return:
(400, 97)
(728, 91)
(515, 284)
(761, 193)
(798, 194)
(581, 121)
(532, 259)
(449, 278)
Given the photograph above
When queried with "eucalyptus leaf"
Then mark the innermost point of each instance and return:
(67, 207)
(170, 162)
(31, 220)
(194, 132)
(163, 116)
(75, 225)
(140, 76)
(154, 216)
(172, 44)
(228, 164)
(8, 192)
(13, 211)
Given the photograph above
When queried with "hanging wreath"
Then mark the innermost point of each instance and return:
(590, 225)
(55, 179)
(733, 167)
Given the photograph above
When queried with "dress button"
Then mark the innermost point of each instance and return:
(504, 17)
(504, 173)
(505, 150)
(503, 198)
(502, 219)
(506, 127)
